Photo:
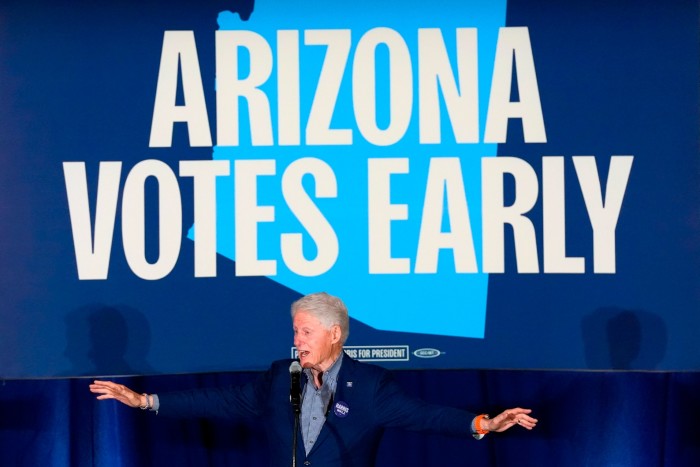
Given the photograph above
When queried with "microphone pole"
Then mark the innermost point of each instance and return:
(295, 399)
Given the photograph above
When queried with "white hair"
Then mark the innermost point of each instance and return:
(329, 310)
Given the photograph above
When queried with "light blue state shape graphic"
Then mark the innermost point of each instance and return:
(446, 303)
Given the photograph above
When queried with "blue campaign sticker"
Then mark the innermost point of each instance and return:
(341, 409)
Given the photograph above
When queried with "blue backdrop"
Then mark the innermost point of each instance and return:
(641, 419)
(78, 84)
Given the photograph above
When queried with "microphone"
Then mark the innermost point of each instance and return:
(295, 388)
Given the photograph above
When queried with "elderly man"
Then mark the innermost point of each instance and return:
(345, 404)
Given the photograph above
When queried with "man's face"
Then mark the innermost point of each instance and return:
(317, 346)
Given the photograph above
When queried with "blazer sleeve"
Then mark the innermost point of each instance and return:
(226, 402)
(396, 409)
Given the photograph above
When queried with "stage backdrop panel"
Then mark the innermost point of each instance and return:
(487, 184)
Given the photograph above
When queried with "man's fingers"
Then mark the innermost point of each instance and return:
(518, 416)
(103, 388)
(110, 390)
(526, 421)
(105, 396)
(109, 386)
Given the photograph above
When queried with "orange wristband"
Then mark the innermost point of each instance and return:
(477, 424)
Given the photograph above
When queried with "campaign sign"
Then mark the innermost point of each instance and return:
(485, 184)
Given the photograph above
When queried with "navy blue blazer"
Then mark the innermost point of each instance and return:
(366, 401)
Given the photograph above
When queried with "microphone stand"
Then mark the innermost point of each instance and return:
(294, 438)
(295, 398)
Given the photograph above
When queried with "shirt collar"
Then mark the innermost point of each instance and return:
(331, 374)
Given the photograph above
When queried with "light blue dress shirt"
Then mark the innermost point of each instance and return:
(316, 402)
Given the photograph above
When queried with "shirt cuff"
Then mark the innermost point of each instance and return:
(156, 404)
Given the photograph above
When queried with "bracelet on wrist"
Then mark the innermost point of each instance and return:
(477, 424)
(145, 405)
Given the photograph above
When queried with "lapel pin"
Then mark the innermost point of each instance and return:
(341, 409)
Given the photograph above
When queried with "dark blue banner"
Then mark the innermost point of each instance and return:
(485, 184)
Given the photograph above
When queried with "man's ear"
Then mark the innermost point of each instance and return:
(336, 333)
